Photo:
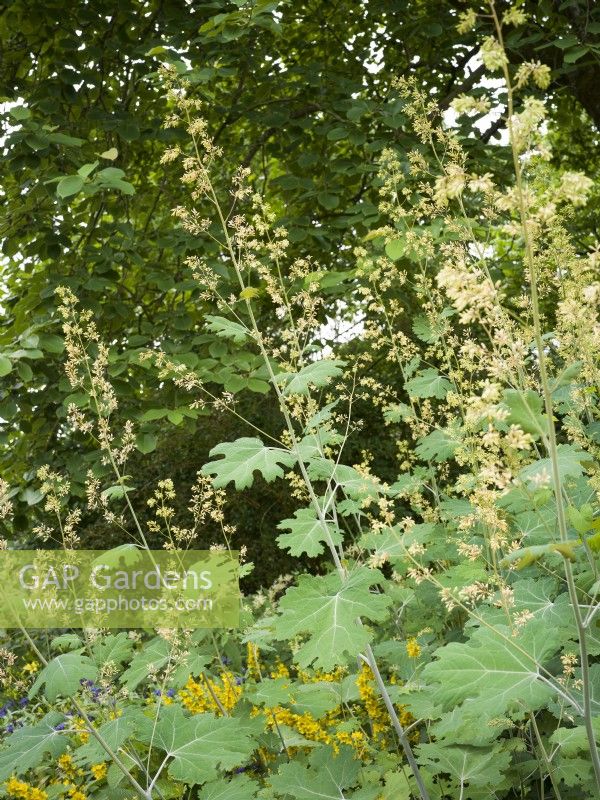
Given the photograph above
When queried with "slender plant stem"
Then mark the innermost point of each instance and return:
(545, 758)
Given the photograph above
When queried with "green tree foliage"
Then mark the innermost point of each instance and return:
(300, 93)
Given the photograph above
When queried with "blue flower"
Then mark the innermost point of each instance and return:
(170, 692)
(23, 702)
(10, 728)
(60, 727)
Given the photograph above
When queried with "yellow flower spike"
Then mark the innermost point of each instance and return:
(280, 671)
(24, 791)
(252, 661)
(413, 648)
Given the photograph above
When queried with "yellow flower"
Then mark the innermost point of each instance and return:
(211, 695)
(31, 667)
(24, 791)
(99, 771)
(413, 648)
(280, 671)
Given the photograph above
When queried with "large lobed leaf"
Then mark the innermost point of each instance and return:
(242, 458)
(327, 610)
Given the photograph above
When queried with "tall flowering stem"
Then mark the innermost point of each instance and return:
(551, 444)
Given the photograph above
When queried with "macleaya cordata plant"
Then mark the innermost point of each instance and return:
(451, 650)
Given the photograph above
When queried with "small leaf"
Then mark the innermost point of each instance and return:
(307, 534)
(67, 641)
(227, 329)
(149, 660)
(317, 374)
(526, 411)
(249, 292)
(110, 154)
(87, 169)
(328, 201)
(117, 491)
(146, 442)
(69, 186)
(438, 446)
(428, 383)
(20, 113)
(395, 249)
(5, 366)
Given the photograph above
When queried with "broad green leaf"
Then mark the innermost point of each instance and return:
(526, 411)
(438, 446)
(51, 343)
(242, 458)
(318, 698)
(227, 329)
(327, 611)
(115, 648)
(155, 654)
(397, 412)
(428, 383)
(469, 766)
(328, 201)
(317, 374)
(538, 597)
(270, 692)
(63, 674)
(198, 746)
(239, 787)
(70, 185)
(573, 741)
(67, 641)
(327, 778)
(350, 480)
(62, 138)
(20, 113)
(146, 442)
(115, 733)
(116, 492)
(570, 465)
(395, 249)
(498, 659)
(27, 747)
(307, 534)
